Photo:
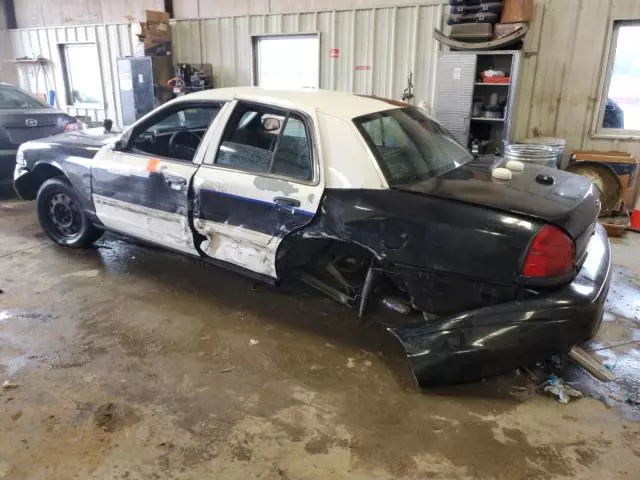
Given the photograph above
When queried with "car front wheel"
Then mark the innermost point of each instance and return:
(62, 217)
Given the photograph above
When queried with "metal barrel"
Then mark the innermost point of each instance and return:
(558, 145)
(542, 155)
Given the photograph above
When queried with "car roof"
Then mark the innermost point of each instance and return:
(341, 104)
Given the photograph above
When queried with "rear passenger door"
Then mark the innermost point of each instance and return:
(260, 182)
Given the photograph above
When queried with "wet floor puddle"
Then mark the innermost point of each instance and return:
(35, 338)
(617, 346)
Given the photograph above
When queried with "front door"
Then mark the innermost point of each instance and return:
(142, 189)
(261, 183)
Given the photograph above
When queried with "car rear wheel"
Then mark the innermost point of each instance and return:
(62, 217)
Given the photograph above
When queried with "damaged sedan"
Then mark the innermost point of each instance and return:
(360, 198)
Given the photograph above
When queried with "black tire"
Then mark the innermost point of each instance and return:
(62, 217)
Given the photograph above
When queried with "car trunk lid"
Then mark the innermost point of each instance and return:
(570, 201)
(22, 125)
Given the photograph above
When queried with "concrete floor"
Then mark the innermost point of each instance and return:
(132, 363)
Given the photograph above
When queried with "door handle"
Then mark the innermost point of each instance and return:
(174, 182)
(286, 202)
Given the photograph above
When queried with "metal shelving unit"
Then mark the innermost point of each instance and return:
(459, 83)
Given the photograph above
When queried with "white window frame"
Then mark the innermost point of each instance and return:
(597, 131)
(67, 79)
(255, 39)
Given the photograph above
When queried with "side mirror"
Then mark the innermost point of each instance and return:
(271, 124)
(120, 145)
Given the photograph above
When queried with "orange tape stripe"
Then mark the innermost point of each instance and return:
(153, 165)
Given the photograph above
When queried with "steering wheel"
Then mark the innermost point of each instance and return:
(180, 147)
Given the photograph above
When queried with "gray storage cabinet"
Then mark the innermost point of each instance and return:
(459, 83)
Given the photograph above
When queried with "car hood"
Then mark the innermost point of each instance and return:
(93, 137)
(571, 202)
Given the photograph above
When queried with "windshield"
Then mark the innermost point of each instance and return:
(409, 146)
(11, 97)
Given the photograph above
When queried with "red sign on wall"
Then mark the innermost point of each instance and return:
(334, 53)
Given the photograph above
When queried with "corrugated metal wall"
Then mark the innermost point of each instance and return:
(112, 41)
(559, 83)
(386, 43)
(562, 67)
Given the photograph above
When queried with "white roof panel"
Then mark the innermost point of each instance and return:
(340, 104)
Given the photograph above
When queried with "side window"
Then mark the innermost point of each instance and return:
(293, 156)
(176, 135)
(264, 141)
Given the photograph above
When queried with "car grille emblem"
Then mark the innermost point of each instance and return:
(31, 122)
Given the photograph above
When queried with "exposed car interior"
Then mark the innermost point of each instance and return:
(259, 140)
(177, 135)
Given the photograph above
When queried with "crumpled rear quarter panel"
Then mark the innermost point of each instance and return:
(449, 255)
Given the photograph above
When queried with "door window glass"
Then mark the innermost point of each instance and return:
(264, 141)
(178, 134)
(293, 156)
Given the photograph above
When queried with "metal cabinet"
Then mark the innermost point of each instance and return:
(456, 74)
(459, 86)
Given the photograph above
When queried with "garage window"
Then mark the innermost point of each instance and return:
(82, 74)
(619, 112)
(286, 61)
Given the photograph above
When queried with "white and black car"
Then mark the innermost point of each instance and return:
(355, 196)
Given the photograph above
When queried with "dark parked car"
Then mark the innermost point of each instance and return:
(360, 198)
(23, 118)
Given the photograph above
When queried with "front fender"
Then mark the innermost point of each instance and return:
(27, 182)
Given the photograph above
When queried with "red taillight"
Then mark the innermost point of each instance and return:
(72, 126)
(551, 254)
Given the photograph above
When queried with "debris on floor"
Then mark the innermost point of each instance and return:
(559, 388)
(8, 385)
(111, 416)
(253, 341)
(591, 365)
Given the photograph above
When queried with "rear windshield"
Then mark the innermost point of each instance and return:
(11, 97)
(409, 146)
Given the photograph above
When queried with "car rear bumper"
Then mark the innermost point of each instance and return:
(491, 340)
(7, 165)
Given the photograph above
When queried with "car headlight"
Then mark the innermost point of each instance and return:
(20, 158)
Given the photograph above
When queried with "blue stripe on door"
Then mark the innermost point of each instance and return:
(265, 202)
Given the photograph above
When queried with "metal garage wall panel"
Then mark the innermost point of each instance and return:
(561, 69)
(385, 44)
(378, 48)
(112, 41)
